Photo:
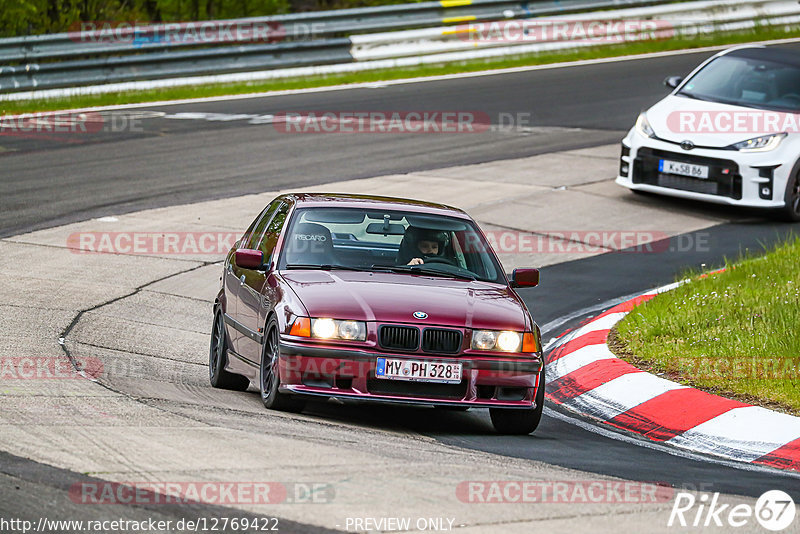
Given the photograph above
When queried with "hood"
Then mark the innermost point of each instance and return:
(709, 124)
(390, 297)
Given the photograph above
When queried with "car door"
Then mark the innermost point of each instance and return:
(234, 276)
(257, 292)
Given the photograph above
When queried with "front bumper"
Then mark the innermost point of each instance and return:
(349, 374)
(755, 180)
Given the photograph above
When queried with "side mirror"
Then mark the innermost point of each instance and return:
(525, 278)
(673, 81)
(249, 259)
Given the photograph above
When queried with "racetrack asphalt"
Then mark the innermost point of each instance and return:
(47, 182)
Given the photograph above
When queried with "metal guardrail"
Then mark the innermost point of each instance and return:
(317, 38)
(302, 26)
(341, 41)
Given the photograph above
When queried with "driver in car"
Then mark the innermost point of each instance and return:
(419, 245)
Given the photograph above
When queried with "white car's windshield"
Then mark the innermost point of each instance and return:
(396, 241)
(747, 81)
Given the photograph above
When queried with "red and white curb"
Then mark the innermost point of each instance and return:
(586, 378)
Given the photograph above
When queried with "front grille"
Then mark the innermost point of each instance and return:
(398, 337)
(417, 389)
(688, 184)
(439, 340)
(723, 175)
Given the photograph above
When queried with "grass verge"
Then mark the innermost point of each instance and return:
(761, 33)
(736, 333)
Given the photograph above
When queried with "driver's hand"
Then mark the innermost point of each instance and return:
(416, 261)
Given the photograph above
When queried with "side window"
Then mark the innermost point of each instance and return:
(270, 237)
(251, 239)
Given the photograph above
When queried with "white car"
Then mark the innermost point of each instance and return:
(729, 133)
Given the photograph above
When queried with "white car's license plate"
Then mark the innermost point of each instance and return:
(684, 169)
(418, 371)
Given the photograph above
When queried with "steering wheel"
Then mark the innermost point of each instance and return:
(791, 96)
(441, 259)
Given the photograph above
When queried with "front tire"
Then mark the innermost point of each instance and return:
(519, 422)
(269, 376)
(791, 210)
(218, 359)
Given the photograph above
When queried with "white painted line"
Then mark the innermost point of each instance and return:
(575, 360)
(680, 453)
(603, 323)
(621, 394)
(746, 433)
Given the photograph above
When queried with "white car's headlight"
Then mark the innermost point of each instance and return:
(643, 127)
(759, 144)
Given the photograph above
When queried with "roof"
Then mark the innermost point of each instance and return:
(373, 202)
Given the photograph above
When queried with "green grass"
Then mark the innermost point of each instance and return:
(199, 91)
(735, 333)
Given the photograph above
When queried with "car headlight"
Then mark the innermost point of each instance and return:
(643, 126)
(503, 341)
(325, 328)
(759, 144)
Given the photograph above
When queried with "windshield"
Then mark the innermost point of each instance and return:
(748, 82)
(392, 241)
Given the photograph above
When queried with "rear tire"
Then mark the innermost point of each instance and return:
(520, 422)
(269, 376)
(218, 359)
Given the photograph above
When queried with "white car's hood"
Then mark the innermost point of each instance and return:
(711, 124)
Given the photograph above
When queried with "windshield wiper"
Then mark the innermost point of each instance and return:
(421, 269)
(718, 100)
(695, 97)
(326, 267)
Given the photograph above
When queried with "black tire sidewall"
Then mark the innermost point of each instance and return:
(269, 398)
(787, 213)
(215, 372)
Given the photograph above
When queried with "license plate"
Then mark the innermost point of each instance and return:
(684, 169)
(418, 371)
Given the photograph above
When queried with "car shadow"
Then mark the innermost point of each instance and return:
(699, 208)
(420, 420)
